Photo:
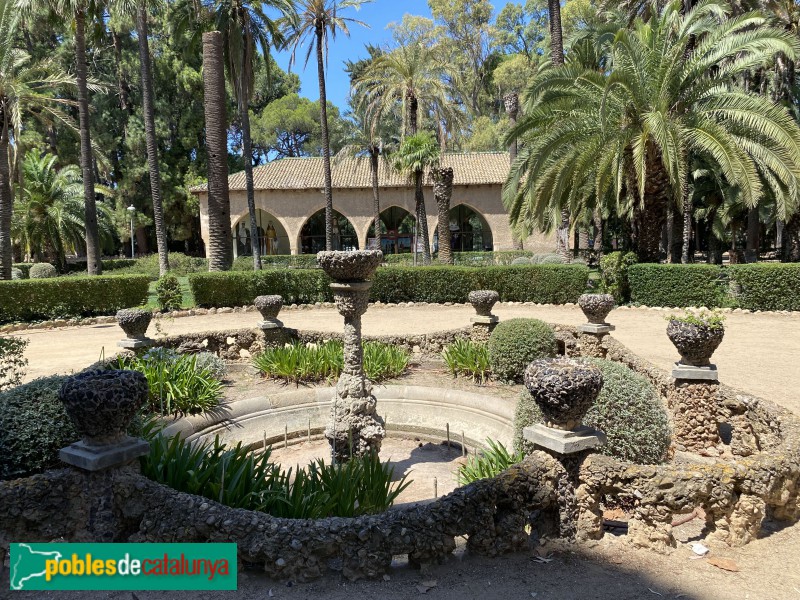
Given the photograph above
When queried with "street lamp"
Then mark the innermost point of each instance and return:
(132, 211)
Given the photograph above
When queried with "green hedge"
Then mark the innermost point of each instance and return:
(64, 297)
(113, 264)
(465, 259)
(770, 286)
(677, 285)
(555, 284)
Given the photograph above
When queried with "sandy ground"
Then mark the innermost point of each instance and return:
(759, 354)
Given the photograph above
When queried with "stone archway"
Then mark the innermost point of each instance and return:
(469, 230)
(397, 230)
(272, 236)
(312, 233)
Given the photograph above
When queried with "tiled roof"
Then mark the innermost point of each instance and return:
(469, 168)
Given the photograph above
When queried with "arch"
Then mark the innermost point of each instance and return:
(272, 235)
(469, 230)
(397, 230)
(312, 233)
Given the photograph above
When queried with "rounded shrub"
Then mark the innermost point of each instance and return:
(168, 291)
(547, 259)
(35, 427)
(17, 274)
(628, 410)
(521, 260)
(515, 343)
(212, 362)
(43, 271)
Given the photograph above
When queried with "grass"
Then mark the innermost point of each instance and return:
(468, 358)
(188, 299)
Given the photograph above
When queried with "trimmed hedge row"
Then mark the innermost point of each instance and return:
(64, 297)
(554, 284)
(771, 286)
(465, 259)
(766, 286)
(80, 267)
(677, 285)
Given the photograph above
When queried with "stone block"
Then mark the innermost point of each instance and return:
(484, 320)
(271, 324)
(595, 328)
(97, 458)
(135, 343)
(564, 441)
(690, 373)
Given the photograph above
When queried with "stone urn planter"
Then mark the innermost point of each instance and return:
(564, 389)
(101, 404)
(596, 307)
(134, 322)
(483, 301)
(269, 307)
(696, 343)
(350, 266)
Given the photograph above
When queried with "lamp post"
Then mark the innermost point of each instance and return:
(132, 211)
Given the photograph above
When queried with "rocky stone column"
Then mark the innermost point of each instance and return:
(355, 429)
(590, 335)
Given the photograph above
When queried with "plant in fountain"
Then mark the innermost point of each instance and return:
(355, 429)
(696, 336)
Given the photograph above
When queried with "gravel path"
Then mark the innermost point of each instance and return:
(759, 354)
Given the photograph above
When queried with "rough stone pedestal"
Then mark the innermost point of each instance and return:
(96, 458)
(695, 407)
(482, 327)
(596, 328)
(692, 373)
(564, 442)
(136, 343)
(355, 429)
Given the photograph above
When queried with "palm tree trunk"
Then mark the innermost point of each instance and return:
(753, 233)
(422, 220)
(326, 142)
(247, 151)
(511, 103)
(650, 220)
(412, 108)
(376, 201)
(93, 265)
(597, 217)
(150, 136)
(6, 195)
(557, 57)
(443, 192)
(791, 237)
(687, 230)
(220, 252)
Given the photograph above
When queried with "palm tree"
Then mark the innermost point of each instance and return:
(316, 26)
(49, 220)
(26, 89)
(78, 11)
(368, 138)
(443, 192)
(220, 251)
(416, 155)
(630, 132)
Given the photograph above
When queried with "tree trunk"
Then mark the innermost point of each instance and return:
(247, 152)
(220, 251)
(597, 218)
(511, 103)
(443, 192)
(753, 234)
(674, 236)
(651, 218)
(791, 239)
(422, 220)
(556, 33)
(687, 230)
(6, 195)
(412, 108)
(150, 136)
(93, 265)
(376, 201)
(326, 142)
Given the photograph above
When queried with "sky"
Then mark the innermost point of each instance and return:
(377, 15)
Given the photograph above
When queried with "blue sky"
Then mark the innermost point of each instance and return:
(378, 15)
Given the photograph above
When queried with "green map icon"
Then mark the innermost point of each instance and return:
(28, 564)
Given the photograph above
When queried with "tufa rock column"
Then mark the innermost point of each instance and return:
(590, 335)
(355, 429)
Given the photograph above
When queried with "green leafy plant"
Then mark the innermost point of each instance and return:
(168, 291)
(308, 362)
(42, 271)
(177, 385)
(212, 362)
(712, 319)
(515, 343)
(465, 357)
(241, 478)
(614, 274)
(489, 463)
(12, 361)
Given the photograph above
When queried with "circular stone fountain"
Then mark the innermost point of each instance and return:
(355, 429)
